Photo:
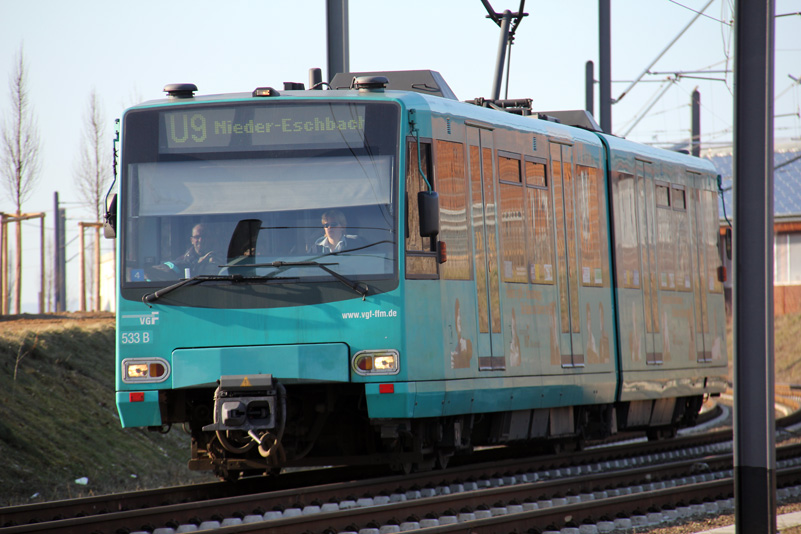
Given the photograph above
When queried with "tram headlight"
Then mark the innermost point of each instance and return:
(376, 362)
(145, 370)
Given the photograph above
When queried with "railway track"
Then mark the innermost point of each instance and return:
(686, 475)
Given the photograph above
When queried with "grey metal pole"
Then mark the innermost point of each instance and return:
(754, 420)
(605, 64)
(695, 130)
(337, 37)
(501, 59)
(589, 87)
(62, 258)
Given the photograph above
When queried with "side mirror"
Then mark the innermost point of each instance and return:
(428, 206)
(110, 219)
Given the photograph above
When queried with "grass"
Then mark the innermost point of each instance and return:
(58, 420)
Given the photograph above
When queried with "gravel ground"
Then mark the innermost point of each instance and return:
(723, 521)
(728, 519)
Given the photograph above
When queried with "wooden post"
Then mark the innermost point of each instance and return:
(83, 270)
(5, 219)
(18, 265)
(5, 291)
(3, 272)
(97, 268)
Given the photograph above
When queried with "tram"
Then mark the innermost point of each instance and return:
(380, 273)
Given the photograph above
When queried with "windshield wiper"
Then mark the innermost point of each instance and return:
(358, 287)
(236, 278)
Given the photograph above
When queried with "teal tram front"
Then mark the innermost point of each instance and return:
(381, 275)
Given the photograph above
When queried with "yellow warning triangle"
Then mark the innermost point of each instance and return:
(245, 383)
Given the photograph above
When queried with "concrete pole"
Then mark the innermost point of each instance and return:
(695, 142)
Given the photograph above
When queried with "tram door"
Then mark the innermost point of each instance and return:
(702, 338)
(650, 295)
(564, 195)
(485, 262)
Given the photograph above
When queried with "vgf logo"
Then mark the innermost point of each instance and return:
(141, 319)
(149, 319)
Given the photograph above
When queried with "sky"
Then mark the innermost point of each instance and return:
(127, 51)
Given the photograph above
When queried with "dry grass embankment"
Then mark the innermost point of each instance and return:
(58, 419)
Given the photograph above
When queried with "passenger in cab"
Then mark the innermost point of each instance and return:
(336, 238)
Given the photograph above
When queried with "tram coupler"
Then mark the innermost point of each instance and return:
(244, 402)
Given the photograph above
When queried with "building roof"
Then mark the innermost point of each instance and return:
(786, 179)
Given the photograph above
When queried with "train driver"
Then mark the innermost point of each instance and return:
(335, 236)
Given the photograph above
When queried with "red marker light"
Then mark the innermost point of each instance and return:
(138, 396)
(386, 388)
(442, 252)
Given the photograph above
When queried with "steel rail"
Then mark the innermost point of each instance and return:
(240, 506)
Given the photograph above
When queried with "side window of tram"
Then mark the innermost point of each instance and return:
(666, 237)
(589, 210)
(540, 224)
(421, 262)
(449, 168)
(513, 227)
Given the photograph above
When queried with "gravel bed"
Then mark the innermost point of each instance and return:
(723, 521)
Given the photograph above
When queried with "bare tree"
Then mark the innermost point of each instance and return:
(19, 155)
(92, 176)
(93, 171)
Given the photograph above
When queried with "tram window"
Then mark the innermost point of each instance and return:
(677, 199)
(452, 189)
(711, 233)
(509, 168)
(421, 262)
(590, 226)
(628, 246)
(512, 219)
(535, 174)
(681, 229)
(540, 220)
(662, 196)
(666, 248)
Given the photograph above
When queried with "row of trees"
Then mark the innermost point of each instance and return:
(21, 159)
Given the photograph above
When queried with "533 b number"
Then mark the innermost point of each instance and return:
(132, 338)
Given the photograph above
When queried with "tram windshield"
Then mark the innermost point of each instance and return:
(260, 191)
